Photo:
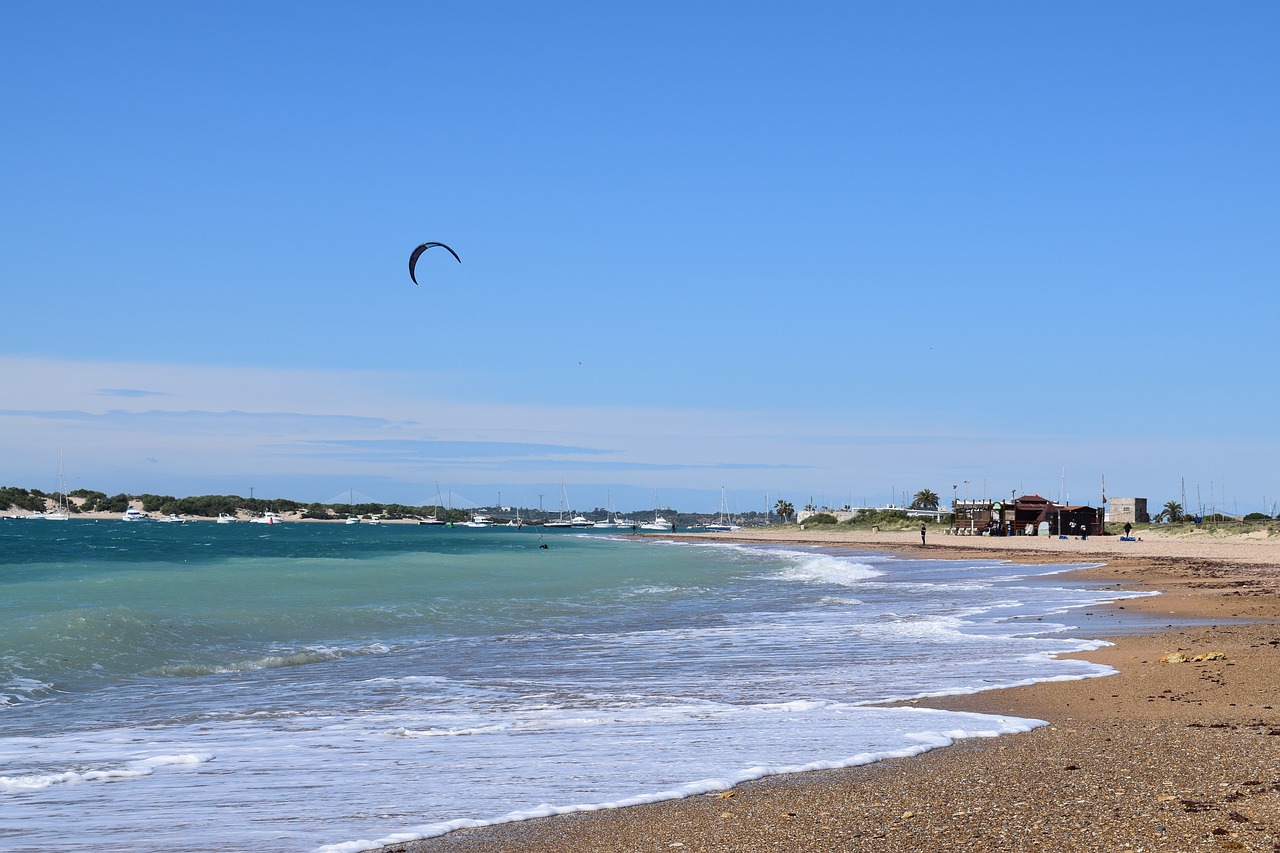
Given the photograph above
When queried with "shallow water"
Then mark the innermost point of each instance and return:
(316, 686)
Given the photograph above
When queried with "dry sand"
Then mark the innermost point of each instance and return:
(1163, 756)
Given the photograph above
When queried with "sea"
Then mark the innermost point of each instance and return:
(335, 688)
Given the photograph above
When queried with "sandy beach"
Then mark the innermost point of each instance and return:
(1171, 754)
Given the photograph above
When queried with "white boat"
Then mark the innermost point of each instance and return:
(173, 518)
(352, 519)
(134, 514)
(723, 524)
(374, 520)
(580, 522)
(59, 512)
(478, 521)
(611, 520)
(434, 519)
(224, 518)
(268, 517)
(560, 519)
(658, 523)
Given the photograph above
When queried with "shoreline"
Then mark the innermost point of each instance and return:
(1160, 756)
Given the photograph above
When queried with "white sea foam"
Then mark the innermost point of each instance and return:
(301, 657)
(826, 568)
(132, 770)
(17, 689)
(948, 727)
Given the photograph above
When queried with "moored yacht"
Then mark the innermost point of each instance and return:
(134, 514)
(60, 511)
(560, 520)
(268, 517)
(723, 524)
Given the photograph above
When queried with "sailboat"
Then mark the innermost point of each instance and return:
(723, 524)
(560, 522)
(352, 518)
(611, 517)
(58, 513)
(435, 519)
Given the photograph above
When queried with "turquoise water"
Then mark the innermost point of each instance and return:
(323, 686)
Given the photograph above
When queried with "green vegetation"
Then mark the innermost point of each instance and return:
(821, 518)
(890, 519)
(14, 497)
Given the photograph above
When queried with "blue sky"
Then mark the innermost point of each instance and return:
(836, 251)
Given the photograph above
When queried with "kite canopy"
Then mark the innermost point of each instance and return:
(417, 253)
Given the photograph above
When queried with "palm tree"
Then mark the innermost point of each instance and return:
(925, 499)
(1172, 513)
(784, 509)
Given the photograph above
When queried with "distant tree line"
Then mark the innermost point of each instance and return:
(210, 506)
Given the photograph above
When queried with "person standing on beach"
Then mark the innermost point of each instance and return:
(922, 532)
(1128, 528)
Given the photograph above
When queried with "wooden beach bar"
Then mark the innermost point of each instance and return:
(1029, 515)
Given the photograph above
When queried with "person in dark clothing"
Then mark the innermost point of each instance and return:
(923, 528)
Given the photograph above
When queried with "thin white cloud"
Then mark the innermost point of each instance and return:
(130, 392)
(309, 433)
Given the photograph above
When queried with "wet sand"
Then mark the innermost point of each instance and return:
(1167, 756)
